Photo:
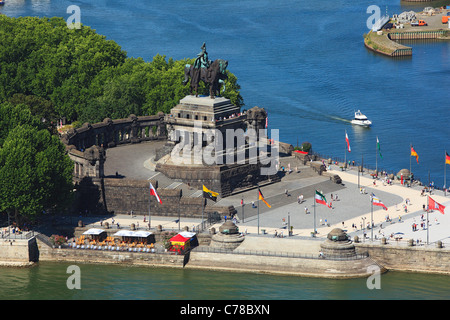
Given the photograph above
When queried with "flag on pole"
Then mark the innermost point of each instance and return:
(348, 142)
(267, 122)
(378, 147)
(209, 194)
(320, 198)
(447, 158)
(261, 197)
(378, 202)
(414, 154)
(433, 205)
(153, 193)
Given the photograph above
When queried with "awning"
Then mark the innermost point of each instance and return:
(142, 234)
(187, 234)
(94, 231)
(179, 238)
(124, 233)
(129, 233)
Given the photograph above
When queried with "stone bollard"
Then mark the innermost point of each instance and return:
(356, 239)
(212, 231)
(330, 161)
(186, 228)
(410, 242)
(383, 240)
(132, 227)
(159, 228)
(80, 223)
(106, 224)
(439, 244)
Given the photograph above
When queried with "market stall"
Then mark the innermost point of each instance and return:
(129, 236)
(183, 241)
(96, 234)
(178, 243)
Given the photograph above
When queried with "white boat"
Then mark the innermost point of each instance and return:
(361, 120)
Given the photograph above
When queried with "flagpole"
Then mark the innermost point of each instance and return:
(149, 197)
(445, 170)
(376, 158)
(314, 213)
(345, 154)
(428, 209)
(410, 155)
(257, 205)
(204, 200)
(371, 218)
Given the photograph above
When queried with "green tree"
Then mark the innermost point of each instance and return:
(13, 115)
(35, 172)
(42, 108)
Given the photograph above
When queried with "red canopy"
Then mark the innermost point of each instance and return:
(178, 238)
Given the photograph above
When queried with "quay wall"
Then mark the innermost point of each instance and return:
(109, 257)
(319, 268)
(411, 259)
(18, 252)
(416, 35)
(386, 45)
(387, 257)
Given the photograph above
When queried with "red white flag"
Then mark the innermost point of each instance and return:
(320, 198)
(153, 193)
(348, 142)
(433, 205)
(377, 202)
(267, 122)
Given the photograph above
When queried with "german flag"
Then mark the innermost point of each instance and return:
(447, 158)
(261, 197)
(208, 194)
(414, 154)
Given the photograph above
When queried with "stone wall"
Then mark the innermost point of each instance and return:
(414, 259)
(281, 265)
(110, 257)
(111, 133)
(124, 195)
(20, 252)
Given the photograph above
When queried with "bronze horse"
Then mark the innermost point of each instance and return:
(213, 76)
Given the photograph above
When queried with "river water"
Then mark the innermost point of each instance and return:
(304, 62)
(110, 282)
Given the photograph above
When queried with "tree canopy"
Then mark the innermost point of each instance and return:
(35, 172)
(79, 75)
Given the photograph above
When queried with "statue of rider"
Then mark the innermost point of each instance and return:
(202, 60)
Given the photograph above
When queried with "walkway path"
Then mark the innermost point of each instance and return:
(352, 208)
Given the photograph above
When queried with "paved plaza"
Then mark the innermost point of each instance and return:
(351, 211)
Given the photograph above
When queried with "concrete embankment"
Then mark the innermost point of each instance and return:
(384, 41)
(409, 258)
(386, 257)
(381, 43)
(308, 267)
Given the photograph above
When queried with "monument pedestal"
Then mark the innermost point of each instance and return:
(193, 119)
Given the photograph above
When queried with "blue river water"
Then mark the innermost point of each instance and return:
(48, 281)
(304, 62)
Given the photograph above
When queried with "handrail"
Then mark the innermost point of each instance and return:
(281, 254)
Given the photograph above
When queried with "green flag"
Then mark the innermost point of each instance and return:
(379, 149)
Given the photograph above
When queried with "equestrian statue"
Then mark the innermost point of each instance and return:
(212, 73)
